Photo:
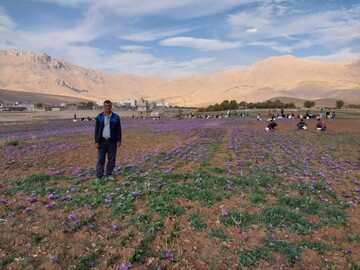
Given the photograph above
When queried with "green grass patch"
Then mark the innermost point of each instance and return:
(320, 247)
(197, 222)
(258, 196)
(239, 219)
(291, 251)
(219, 233)
(353, 237)
(162, 205)
(251, 257)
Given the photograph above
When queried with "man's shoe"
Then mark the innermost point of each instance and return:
(110, 177)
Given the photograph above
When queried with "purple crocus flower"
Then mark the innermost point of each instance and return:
(53, 196)
(71, 217)
(125, 266)
(31, 199)
(107, 201)
(168, 256)
(66, 198)
(50, 205)
(28, 209)
(53, 258)
(137, 192)
(351, 204)
(115, 228)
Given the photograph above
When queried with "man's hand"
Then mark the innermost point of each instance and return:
(97, 145)
(118, 144)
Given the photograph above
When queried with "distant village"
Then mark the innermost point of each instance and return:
(141, 106)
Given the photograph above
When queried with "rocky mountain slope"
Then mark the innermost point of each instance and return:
(276, 76)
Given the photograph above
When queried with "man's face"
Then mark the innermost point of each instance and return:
(107, 107)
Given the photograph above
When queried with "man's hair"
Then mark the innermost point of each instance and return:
(107, 102)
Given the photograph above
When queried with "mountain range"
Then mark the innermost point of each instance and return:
(285, 76)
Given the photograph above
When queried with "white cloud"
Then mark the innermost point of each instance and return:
(134, 48)
(200, 43)
(252, 30)
(67, 2)
(195, 63)
(277, 46)
(258, 18)
(174, 8)
(7, 26)
(345, 54)
(136, 62)
(51, 39)
(327, 28)
(6, 23)
(153, 34)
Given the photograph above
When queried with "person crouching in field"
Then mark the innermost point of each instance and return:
(107, 140)
(271, 125)
(320, 126)
(302, 124)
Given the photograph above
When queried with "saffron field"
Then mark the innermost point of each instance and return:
(189, 194)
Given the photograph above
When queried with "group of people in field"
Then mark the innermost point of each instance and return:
(301, 125)
(108, 134)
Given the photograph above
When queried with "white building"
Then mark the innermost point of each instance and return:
(27, 105)
(100, 102)
(162, 104)
(127, 103)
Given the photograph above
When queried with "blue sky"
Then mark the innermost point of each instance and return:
(173, 38)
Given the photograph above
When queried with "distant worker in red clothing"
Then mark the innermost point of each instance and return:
(320, 126)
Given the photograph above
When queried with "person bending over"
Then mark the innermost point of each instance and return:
(272, 125)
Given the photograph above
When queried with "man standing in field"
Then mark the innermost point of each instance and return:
(107, 140)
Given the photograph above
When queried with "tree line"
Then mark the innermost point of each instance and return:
(269, 104)
(234, 105)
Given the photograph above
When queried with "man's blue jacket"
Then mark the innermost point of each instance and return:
(115, 128)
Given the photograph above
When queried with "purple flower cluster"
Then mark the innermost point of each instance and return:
(168, 256)
(125, 266)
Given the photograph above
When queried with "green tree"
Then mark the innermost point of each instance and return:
(339, 104)
(243, 104)
(233, 105)
(224, 105)
(290, 105)
(308, 104)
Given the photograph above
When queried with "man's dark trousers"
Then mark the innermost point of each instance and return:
(106, 146)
